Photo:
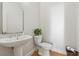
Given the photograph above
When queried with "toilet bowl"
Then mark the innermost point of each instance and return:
(44, 50)
(42, 47)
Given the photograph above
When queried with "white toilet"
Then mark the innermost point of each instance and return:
(43, 47)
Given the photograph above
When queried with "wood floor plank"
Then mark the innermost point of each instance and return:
(52, 53)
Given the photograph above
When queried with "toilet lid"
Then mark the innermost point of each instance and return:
(45, 45)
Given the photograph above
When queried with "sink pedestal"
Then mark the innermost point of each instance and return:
(17, 51)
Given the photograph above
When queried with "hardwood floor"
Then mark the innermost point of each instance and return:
(35, 53)
(52, 53)
(55, 53)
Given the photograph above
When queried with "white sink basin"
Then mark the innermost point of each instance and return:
(14, 41)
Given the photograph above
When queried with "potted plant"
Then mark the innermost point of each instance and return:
(38, 35)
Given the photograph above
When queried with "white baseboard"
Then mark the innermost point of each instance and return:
(30, 53)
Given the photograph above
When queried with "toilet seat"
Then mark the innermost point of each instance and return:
(45, 45)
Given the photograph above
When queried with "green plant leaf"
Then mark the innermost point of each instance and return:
(37, 31)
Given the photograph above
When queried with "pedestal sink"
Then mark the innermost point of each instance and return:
(14, 41)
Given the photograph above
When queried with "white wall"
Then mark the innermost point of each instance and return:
(31, 16)
(60, 24)
(77, 26)
(52, 22)
(70, 24)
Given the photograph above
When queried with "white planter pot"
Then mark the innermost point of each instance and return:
(38, 39)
